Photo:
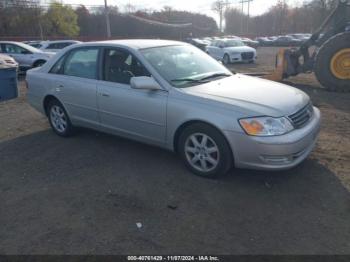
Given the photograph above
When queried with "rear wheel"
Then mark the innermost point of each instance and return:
(332, 65)
(59, 120)
(205, 151)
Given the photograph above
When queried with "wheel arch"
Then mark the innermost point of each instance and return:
(188, 123)
(47, 101)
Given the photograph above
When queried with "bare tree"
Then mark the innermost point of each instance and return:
(219, 7)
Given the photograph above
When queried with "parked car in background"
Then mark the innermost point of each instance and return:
(301, 37)
(231, 37)
(7, 61)
(172, 95)
(264, 41)
(250, 42)
(200, 43)
(287, 41)
(25, 55)
(35, 44)
(231, 51)
(54, 46)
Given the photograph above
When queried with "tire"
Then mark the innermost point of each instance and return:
(216, 152)
(59, 119)
(226, 59)
(323, 63)
(39, 63)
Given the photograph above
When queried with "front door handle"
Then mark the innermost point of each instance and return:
(104, 94)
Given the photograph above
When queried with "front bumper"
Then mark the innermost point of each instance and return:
(275, 153)
(237, 58)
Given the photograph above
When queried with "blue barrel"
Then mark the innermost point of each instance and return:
(8, 83)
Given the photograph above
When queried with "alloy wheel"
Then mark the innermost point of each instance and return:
(202, 153)
(58, 118)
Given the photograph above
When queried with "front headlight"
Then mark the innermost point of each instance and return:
(266, 126)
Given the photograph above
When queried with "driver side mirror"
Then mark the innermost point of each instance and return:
(144, 82)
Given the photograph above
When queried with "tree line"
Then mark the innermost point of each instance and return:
(27, 19)
(280, 19)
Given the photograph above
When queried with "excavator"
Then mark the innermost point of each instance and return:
(326, 53)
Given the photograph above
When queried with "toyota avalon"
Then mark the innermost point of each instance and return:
(173, 95)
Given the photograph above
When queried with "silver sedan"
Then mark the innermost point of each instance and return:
(175, 96)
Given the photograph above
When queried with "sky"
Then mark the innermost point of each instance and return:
(257, 7)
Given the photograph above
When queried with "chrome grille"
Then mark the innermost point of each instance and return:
(247, 55)
(300, 118)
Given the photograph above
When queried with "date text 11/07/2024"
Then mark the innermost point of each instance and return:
(173, 258)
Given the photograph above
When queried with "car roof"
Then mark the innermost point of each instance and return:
(136, 43)
(231, 39)
(60, 41)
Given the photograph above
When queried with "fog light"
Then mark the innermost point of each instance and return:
(277, 159)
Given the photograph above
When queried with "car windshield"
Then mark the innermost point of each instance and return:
(234, 43)
(29, 48)
(36, 45)
(184, 66)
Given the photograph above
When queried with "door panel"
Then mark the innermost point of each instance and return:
(79, 97)
(134, 112)
(140, 113)
(75, 84)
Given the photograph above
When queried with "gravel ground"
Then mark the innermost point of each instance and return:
(84, 195)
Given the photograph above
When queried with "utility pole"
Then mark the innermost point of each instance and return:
(248, 15)
(108, 24)
(243, 2)
(219, 7)
(242, 17)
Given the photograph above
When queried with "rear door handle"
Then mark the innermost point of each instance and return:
(104, 94)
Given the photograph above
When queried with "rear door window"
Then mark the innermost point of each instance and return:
(58, 45)
(82, 63)
(13, 49)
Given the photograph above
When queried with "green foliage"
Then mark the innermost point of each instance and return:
(61, 20)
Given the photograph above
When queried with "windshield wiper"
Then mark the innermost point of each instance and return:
(214, 76)
(190, 80)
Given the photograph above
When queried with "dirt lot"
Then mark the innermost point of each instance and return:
(84, 195)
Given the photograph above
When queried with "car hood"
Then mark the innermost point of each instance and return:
(240, 49)
(254, 95)
(43, 53)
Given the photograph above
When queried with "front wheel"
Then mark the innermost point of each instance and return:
(205, 151)
(226, 59)
(59, 120)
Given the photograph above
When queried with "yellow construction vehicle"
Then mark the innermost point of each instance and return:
(326, 53)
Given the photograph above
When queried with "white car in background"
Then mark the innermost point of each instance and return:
(231, 51)
(25, 55)
(7, 62)
(53, 46)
